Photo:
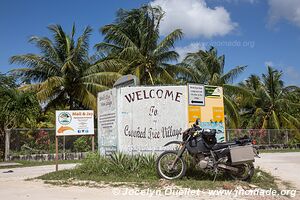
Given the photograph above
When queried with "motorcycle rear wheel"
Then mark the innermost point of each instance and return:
(164, 166)
(245, 173)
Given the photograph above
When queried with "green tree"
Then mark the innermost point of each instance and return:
(16, 108)
(275, 105)
(64, 74)
(6, 82)
(206, 67)
(133, 41)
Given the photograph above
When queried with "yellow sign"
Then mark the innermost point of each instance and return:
(211, 114)
(194, 113)
(218, 114)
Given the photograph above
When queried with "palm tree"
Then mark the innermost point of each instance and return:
(16, 108)
(64, 74)
(275, 106)
(133, 40)
(206, 67)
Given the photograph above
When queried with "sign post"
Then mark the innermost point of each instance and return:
(56, 153)
(74, 123)
(93, 143)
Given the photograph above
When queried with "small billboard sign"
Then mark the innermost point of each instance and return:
(196, 94)
(74, 122)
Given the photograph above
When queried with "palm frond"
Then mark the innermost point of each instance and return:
(117, 36)
(240, 91)
(107, 47)
(231, 111)
(168, 56)
(168, 41)
(47, 48)
(232, 74)
(95, 88)
(103, 78)
(275, 120)
(108, 65)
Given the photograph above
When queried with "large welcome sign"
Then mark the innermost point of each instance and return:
(142, 119)
(151, 117)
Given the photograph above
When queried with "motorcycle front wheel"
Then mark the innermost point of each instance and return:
(244, 173)
(169, 166)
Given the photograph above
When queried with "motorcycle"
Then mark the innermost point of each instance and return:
(234, 158)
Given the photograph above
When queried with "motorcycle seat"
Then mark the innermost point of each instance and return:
(222, 145)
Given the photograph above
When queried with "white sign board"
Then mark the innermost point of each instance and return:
(196, 94)
(74, 122)
(142, 119)
(107, 121)
(150, 117)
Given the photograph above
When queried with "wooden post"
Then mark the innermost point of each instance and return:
(64, 155)
(7, 144)
(93, 143)
(56, 156)
(269, 137)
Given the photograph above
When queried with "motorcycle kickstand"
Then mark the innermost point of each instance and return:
(215, 176)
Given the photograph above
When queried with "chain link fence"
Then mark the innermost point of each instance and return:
(42, 142)
(267, 137)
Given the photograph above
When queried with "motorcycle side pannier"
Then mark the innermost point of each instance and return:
(241, 154)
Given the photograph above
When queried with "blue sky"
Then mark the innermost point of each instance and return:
(248, 32)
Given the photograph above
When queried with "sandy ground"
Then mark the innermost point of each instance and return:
(13, 186)
(285, 166)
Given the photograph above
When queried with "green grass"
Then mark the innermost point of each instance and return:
(38, 163)
(138, 171)
(278, 150)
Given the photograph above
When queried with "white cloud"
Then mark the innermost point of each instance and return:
(193, 47)
(240, 1)
(292, 75)
(195, 18)
(287, 10)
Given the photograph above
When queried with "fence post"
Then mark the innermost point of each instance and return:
(227, 135)
(7, 144)
(269, 137)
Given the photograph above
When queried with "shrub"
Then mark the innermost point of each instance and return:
(42, 140)
(82, 144)
(119, 164)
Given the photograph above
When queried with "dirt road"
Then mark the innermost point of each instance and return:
(13, 186)
(282, 165)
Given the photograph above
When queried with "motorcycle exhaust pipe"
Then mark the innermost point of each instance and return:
(228, 167)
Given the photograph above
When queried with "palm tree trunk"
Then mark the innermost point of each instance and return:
(71, 103)
(151, 77)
